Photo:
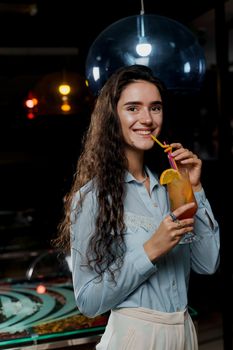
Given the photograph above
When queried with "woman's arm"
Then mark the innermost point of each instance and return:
(205, 253)
(94, 296)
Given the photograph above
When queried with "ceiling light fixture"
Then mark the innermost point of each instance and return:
(168, 47)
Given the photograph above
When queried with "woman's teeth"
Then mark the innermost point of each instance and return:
(143, 132)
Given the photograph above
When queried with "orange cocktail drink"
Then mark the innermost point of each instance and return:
(179, 189)
(180, 192)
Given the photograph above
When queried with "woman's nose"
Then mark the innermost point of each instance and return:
(145, 117)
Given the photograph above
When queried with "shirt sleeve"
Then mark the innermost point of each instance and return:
(205, 252)
(94, 296)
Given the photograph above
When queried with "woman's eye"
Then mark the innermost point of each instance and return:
(132, 108)
(156, 108)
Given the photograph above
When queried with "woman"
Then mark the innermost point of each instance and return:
(124, 241)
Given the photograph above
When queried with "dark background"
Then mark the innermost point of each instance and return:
(38, 157)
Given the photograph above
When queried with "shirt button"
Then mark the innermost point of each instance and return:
(155, 204)
(177, 309)
(173, 283)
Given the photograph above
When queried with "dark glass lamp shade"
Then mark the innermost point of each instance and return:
(169, 48)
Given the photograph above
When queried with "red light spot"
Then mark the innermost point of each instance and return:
(30, 115)
(41, 289)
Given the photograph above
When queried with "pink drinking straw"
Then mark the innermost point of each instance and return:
(168, 150)
(170, 158)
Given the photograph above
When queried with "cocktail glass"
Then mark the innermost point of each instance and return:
(180, 192)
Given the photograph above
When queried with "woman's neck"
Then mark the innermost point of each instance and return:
(136, 165)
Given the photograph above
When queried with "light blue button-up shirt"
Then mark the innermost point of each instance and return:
(161, 286)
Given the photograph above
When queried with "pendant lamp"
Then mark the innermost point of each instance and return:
(168, 47)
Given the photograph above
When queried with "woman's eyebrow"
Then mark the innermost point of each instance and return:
(157, 103)
(140, 103)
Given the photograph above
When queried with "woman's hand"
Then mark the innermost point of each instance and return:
(169, 233)
(188, 159)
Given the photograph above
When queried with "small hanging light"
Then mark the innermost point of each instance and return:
(64, 89)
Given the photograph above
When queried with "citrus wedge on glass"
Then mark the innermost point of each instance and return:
(168, 176)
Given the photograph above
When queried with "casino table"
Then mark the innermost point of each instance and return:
(38, 310)
(43, 315)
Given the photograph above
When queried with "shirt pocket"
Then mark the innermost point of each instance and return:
(139, 228)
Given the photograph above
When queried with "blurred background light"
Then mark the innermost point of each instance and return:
(58, 93)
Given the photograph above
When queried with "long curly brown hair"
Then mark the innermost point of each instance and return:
(103, 160)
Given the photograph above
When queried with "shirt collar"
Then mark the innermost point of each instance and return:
(153, 178)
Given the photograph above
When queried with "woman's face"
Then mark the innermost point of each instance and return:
(140, 112)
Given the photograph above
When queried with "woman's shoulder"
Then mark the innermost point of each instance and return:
(85, 193)
(84, 201)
